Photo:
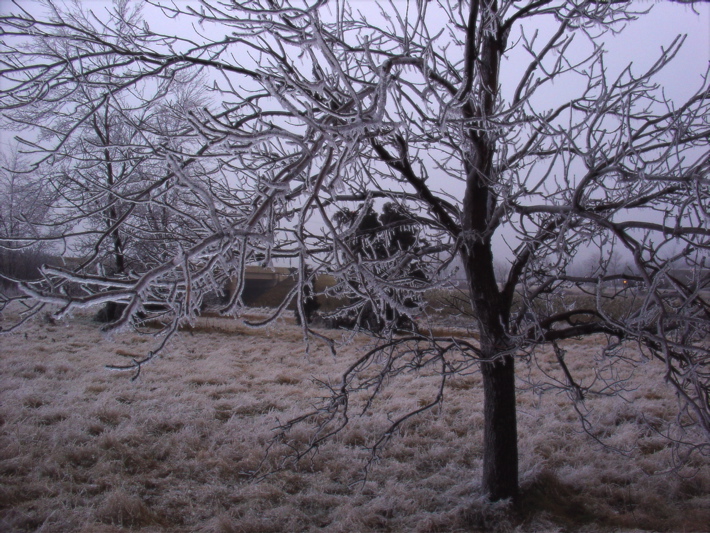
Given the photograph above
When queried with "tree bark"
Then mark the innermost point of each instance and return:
(500, 435)
(500, 429)
(485, 44)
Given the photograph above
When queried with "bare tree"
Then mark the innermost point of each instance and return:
(324, 108)
(24, 205)
(111, 207)
(21, 205)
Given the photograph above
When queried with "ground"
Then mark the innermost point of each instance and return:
(86, 449)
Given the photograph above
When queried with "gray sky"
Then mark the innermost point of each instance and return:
(640, 43)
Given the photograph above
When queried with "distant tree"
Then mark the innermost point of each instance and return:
(114, 210)
(391, 244)
(322, 107)
(24, 205)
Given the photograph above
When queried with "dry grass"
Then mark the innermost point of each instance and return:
(85, 449)
(445, 303)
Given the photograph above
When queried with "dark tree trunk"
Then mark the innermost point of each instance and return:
(500, 448)
(500, 435)
(484, 48)
(112, 311)
(500, 429)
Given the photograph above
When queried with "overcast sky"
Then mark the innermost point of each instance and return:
(641, 43)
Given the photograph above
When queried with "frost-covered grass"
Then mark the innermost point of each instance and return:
(445, 303)
(86, 449)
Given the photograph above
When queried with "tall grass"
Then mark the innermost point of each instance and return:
(85, 449)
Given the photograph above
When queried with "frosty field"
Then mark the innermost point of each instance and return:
(86, 449)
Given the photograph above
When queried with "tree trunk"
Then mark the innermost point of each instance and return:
(500, 429)
(484, 47)
(500, 433)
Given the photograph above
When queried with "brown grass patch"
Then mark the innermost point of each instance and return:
(123, 509)
(85, 449)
